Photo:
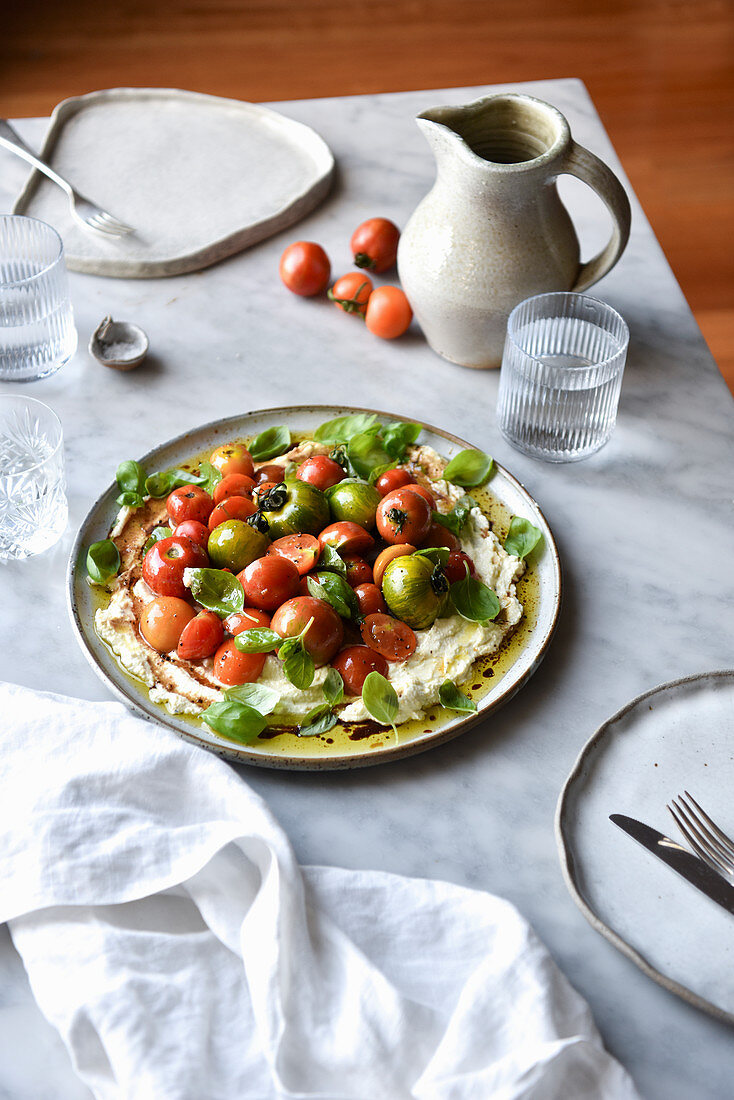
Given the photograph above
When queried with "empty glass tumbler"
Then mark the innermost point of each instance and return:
(561, 376)
(37, 334)
(33, 509)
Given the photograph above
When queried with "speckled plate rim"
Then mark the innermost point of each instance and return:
(533, 653)
(566, 856)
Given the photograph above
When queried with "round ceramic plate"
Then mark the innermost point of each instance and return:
(674, 738)
(343, 747)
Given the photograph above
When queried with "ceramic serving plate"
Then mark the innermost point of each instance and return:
(674, 738)
(495, 681)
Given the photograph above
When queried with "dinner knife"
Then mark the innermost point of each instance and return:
(698, 873)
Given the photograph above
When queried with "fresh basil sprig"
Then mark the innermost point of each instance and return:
(331, 561)
(298, 664)
(269, 443)
(453, 699)
(234, 720)
(340, 455)
(257, 640)
(397, 436)
(469, 468)
(258, 696)
(161, 484)
(522, 537)
(334, 590)
(210, 477)
(130, 478)
(473, 599)
(380, 699)
(216, 590)
(333, 687)
(317, 721)
(342, 428)
(155, 536)
(366, 451)
(103, 561)
(455, 520)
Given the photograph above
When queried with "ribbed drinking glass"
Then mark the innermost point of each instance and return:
(33, 509)
(561, 376)
(37, 334)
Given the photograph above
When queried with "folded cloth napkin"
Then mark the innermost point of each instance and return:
(172, 939)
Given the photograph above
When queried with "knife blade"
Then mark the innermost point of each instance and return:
(690, 867)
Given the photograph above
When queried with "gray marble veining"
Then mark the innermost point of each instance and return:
(644, 529)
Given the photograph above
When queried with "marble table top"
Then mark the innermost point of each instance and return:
(644, 530)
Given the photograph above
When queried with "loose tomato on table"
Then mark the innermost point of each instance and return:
(233, 485)
(163, 620)
(201, 637)
(351, 292)
(302, 550)
(354, 665)
(321, 471)
(346, 537)
(192, 529)
(388, 312)
(248, 618)
(396, 478)
(305, 268)
(358, 570)
(231, 508)
(374, 244)
(233, 458)
(270, 581)
(369, 599)
(164, 564)
(189, 502)
(323, 638)
(231, 667)
(387, 555)
(392, 639)
(404, 516)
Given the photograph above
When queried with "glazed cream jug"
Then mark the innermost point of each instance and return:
(493, 230)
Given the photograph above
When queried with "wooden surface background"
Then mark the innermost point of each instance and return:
(661, 73)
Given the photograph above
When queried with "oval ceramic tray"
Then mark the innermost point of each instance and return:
(677, 737)
(343, 748)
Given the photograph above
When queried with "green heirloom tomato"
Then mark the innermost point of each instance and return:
(415, 590)
(234, 544)
(354, 501)
(295, 508)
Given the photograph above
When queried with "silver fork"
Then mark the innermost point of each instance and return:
(703, 834)
(86, 212)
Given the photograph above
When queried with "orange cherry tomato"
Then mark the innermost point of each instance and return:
(302, 550)
(231, 508)
(246, 619)
(355, 663)
(232, 667)
(233, 458)
(391, 638)
(201, 637)
(351, 292)
(374, 244)
(370, 599)
(233, 485)
(162, 621)
(388, 312)
(346, 537)
(305, 268)
(385, 556)
(392, 479)
(404, 516)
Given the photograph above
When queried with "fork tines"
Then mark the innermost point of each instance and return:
(703, 834)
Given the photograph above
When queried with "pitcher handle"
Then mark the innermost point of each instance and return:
(590, 170)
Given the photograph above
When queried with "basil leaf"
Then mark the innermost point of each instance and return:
(103, 561)
(298, 666)
(474, 600)
(257, 640)
(130, 477)
(341, 456)
(366, 452)
(397, 436)
(216, 590)
(333, 687)
(334, 590)
(469, 468)
(271, 442)
(522, 537)
(459, 514)
(439, 555)
(161, 484)
(380, 699)
(342, 428)
(317, 721)
(330, 560)
(453, 699)
(234, 720)
(379, 470)
(210, 477)
(155, 536)
(258, 696)
(130, 500)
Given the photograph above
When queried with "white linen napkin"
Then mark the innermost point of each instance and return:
(172, 939)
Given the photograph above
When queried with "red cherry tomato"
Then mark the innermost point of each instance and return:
(374, 244)
(388, 312)
(321, 471)
(232, 667)
(302, 550)
(189, 502)
(358, 571)
(263, 489)
(425, 493)
(231, 508)
(393, 479)
(233, 458)
(455, 567)
(347, 537)
(355, 663)
(438, 535)
(269, 581)
(164, 564)
(305, 268)
(163, 620)
(391, 638)
(192, 529)
(324, 637)
(246, 619)
(385, 556)
(269, 472)
(404, 516)
(233, 485)
(201, 637)
(370, 599)
(351, 292)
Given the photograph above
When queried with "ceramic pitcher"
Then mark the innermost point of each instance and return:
(493, 230)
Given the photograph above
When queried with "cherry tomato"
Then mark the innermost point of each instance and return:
(269, 472)
(374, 244)
(370, 599)
(388, 312)
(385, 556)
(232, 667)
(351, 292)
(321, 471)
(231, 508)
(358, 571)
(246, 619)
(423, 492)
(263, 489)
(163, 620)
(270, 581)
(201, 637)
(305, 268)
(302, 550)
(355, 663)
(404, 516)
(192, 529)
(164, 564)
(392, 479)
(189, 502)
(233, 458)
(233, 485)
(455, 567)
(324, 637)
(303, 587)
(394, 640)
(438, 535)
(347, 537)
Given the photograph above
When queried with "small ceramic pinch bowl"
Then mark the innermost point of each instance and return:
(118, 344)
